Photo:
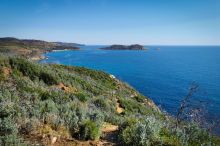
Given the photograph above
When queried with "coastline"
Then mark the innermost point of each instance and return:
(92, 59)
(123, 100)
(149, 102)
(41, 55)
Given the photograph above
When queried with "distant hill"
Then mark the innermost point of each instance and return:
(25, 43)
(68, 44)
(32, 48)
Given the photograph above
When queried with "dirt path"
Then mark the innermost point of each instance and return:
(119, 109)
(109, 137)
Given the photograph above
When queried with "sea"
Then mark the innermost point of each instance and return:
(165, 74)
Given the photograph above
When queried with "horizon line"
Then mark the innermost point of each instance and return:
(101, 44)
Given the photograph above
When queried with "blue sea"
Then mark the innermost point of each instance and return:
(163, 73)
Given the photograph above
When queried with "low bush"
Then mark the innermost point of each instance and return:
(191, 134)
(12, 140)
(82, 96)
(89, 130)
(132, 106)
(48, 78)
(48, 110)
(34, 71)
(97, 116)
(7, 127)
(101, 103)
(140, 132)
(8, 133)
(27, 68)
(140, 98)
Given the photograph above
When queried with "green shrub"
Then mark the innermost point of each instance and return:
(46, 96)
(29, 125)
(73, 124)
(114, 118)
(48, 78)
(102, 103)
(34, 71)
(81, 96)
(89, 130)
(191, 134)
(7, 126)
(9, 132)
(11, 140)
(5, 111)
(140, 133)
(48, 110)
(7, 106)
(58, 96)
(97, 116)
(27, 68)
(81, 111)
(128, 122)
(136, 135)
(140, 98)
(132, 106)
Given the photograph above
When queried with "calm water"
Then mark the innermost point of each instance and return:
(164, 75)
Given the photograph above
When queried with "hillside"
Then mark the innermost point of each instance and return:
(31, 48)
(61, 105)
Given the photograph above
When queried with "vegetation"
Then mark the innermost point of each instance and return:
(89, 130)
(39, 102)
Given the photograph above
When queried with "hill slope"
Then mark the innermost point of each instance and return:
(40, 103)
(61, 105)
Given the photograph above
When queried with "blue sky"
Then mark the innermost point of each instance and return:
(150, 22)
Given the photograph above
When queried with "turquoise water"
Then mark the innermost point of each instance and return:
(164, 74)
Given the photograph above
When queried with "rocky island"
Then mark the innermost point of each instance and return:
(124, 47)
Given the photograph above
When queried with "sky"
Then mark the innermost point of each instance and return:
(147, 22)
